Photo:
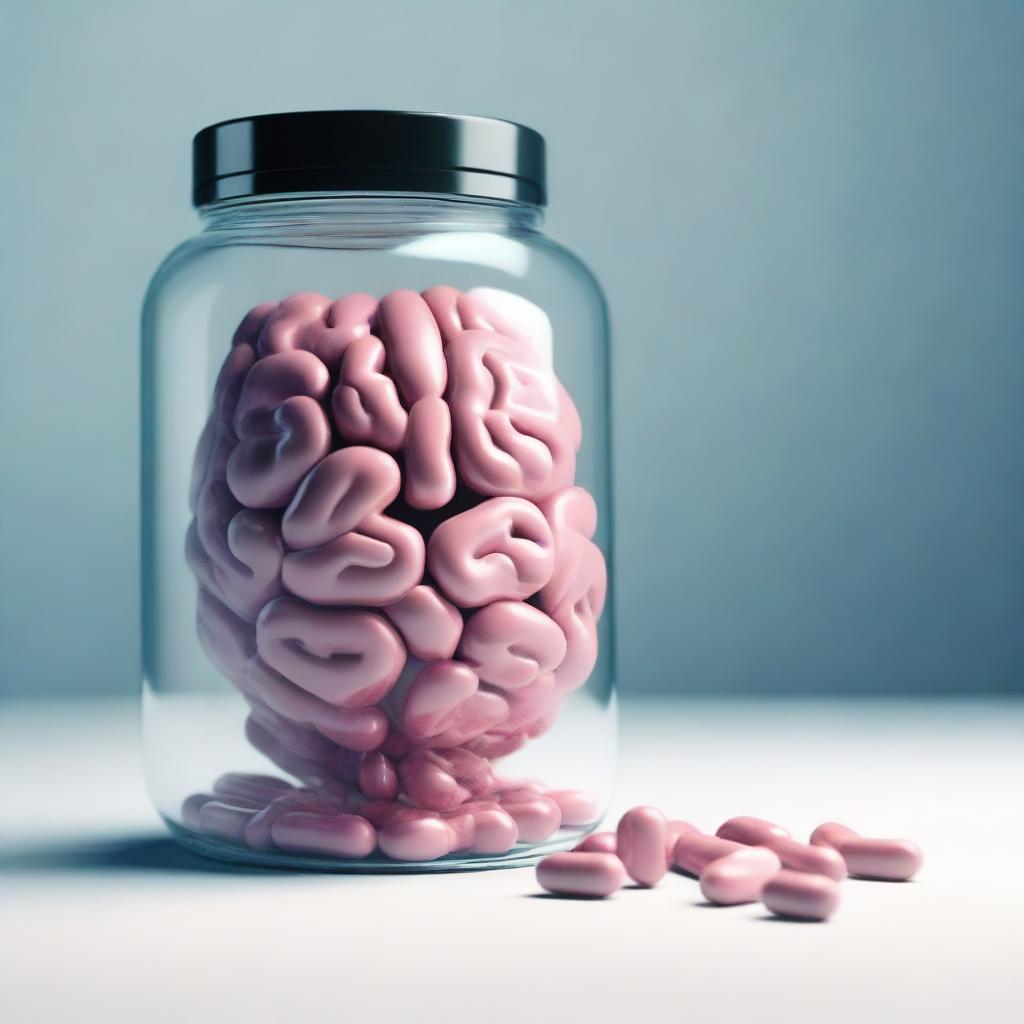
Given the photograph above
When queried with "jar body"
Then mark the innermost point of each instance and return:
(314, 690)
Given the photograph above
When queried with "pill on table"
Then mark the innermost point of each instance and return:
(640, 843)
(673, 830)
(798, 894)
(694, 851)
(581, 874)
(751, 831)
(740, 877)
(599, 842)
(892, 860)
(577, 807)
(797, 856)
(831, 833)
(324, 835)
(417, 839)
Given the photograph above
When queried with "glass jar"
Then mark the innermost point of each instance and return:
(376, 505)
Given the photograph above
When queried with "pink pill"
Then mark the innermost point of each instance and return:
(797, 856)
(427, 782)
(673, 830)
(831, 833)
(641, 844)
(463, 824)
(694, 851)
(599, 842)
(259, 829)
(751, 831)
(495, 830)
(577, 807)
(224, 820)
(190, 808)
(798, 894)
(894, 860)
(257, 790)
(581, 874)
(417, 839)
(377, 777)
(324, 835)
(740, 877)
(537, 817)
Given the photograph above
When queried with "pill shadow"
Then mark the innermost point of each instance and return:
(148, 853)
(566, 898)
(787, 919)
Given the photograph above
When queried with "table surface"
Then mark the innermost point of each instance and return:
(105, 919)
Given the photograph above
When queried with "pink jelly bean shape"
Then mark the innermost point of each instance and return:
(365, 403)
(739, 877)
(430, 478)
(502, 548)
(421, 839)
(510, 643)
(338, 494)
(801, 895)
(376, 564)
(640, 843)
(431, 626)
(413, 346)
(581, 874)
(378, 778)
(598, 842)
(349, 659)
(324, 835)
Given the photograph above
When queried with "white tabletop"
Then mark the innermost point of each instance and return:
(103, 919)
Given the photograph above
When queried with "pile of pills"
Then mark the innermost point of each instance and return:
(746, 860)
(396, 570)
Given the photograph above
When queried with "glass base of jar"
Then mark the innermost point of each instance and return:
(520, 856)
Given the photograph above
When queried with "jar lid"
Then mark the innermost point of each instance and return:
(368, 151)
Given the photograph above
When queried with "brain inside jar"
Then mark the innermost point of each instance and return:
(395, 570)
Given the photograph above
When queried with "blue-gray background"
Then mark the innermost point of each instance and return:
(809, 220)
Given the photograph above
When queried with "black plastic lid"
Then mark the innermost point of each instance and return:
(368, 151)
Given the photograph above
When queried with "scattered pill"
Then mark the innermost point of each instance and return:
(694, 851)
(801, 895)
(751, 831)
(739, 877)
(581, 874)
(673, 830)
(640, 843)
(891, 860)
(797, 856)
(598, 842)
(832, 834)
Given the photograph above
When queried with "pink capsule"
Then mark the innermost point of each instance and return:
(581, 874)
(739, 877)
(190, 808)
(751, 831)
(377, 776)
(245, 789)
(640, 843)
(417, 839)
(577, 807)
(831, 833)
(694, 851)
(224, 820)
(598, 842)
(537, 817)
(797, 856)
(463, 824)
(673, 830)
(259, 828)
(801, 895)
(324, 835)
